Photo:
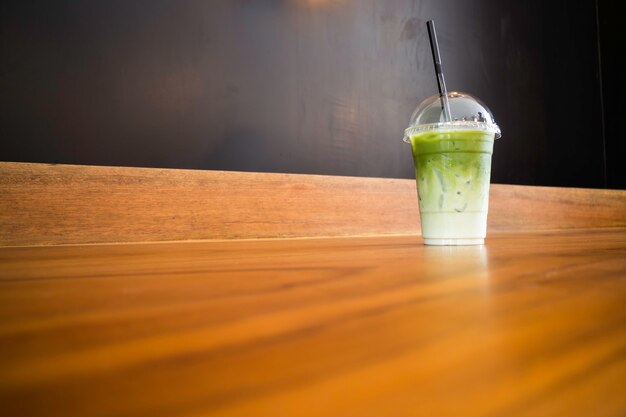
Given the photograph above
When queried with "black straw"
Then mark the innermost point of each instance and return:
(441, 83)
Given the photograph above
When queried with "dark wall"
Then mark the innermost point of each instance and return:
(613, 64)
(304, 86)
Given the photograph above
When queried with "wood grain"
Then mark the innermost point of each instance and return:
(60, 204)
(531, 324)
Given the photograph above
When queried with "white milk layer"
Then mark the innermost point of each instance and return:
(454, 228)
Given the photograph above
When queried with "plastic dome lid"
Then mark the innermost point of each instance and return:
(466, 111)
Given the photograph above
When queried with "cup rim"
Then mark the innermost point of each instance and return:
(458, 125)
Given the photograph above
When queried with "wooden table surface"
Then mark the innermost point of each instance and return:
(531, 324)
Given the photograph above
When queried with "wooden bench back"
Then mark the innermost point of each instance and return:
(43, 204)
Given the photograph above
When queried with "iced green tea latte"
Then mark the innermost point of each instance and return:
(452, 150)
(452, 170)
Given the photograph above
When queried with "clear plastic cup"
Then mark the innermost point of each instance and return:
(453, 168)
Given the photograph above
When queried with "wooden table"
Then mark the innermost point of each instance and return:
(531, 324)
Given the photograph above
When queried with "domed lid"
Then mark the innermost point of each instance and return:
(466, 113)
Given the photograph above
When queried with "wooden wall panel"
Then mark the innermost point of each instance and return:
(45, 204)
(57, 204)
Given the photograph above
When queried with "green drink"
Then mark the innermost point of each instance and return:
(452, 169)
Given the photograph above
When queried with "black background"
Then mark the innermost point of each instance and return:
(309, 86)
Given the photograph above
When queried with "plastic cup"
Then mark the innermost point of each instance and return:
(452, 161)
